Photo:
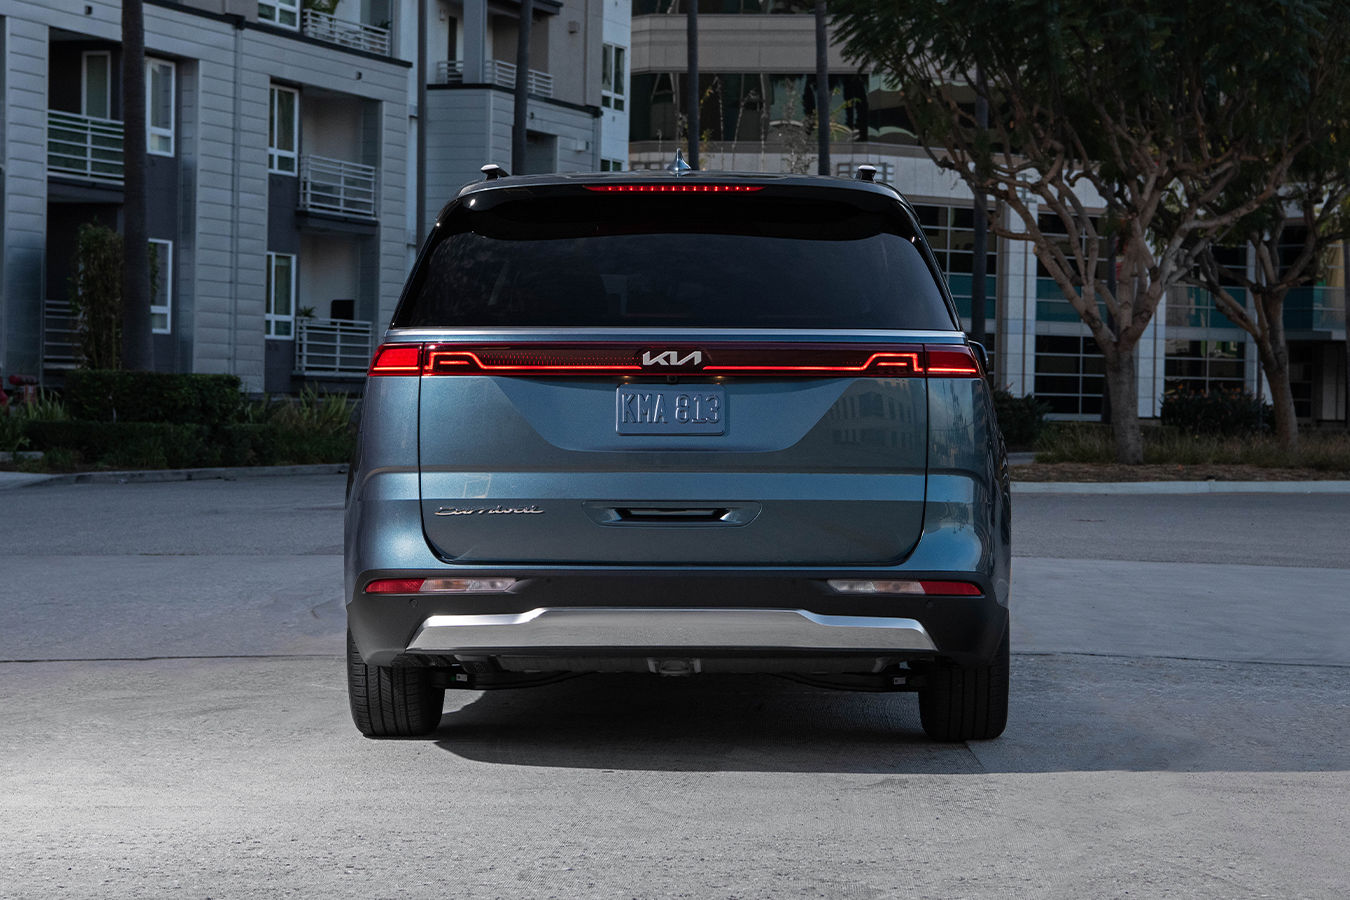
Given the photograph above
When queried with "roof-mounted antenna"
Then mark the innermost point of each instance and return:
(866, 173)
(679, 166)
(493, 171)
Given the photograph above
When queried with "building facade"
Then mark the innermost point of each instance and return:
(281, 138)
(756, 81)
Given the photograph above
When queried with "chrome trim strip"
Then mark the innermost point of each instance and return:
(632, 627)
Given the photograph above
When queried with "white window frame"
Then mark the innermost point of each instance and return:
(160, 134)
(614, 77)
(164, 267)
(84, 83)
(280, 160)
(282, 13)
(274, 319)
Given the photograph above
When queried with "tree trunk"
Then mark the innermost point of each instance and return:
(691, 79)
(1273, 352)
(822, 92)
(1123, 387)
(137, 348)
(521, 120)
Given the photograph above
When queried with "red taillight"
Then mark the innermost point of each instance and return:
(739, 360)
(395, 586)
(674, 188)
(953, 362)
(397, 359)
(951, 588)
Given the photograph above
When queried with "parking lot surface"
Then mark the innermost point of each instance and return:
(176, 725)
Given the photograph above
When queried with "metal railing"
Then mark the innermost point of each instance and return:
(60, 335)
(502, 74)
(84, 147)
(337, 186)
(332, 347)
(326, 27)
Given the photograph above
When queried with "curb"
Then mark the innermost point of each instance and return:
(1181, 487)
(157, 476)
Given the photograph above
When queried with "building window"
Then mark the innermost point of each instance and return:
(613, 70)
(159, 107)
(280, 314)
(285, 13)
(1070, 375)
(161, 300)
(951, 233)
(283, 130)
(611, 165)
(1203, 366)
(96, 85)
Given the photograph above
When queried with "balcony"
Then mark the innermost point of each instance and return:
(336, 186)
(327, 348)
(353, 35)
(60, 335)
(84, 147)
(502, 74)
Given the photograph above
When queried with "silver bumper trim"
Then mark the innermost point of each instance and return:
(623, 628)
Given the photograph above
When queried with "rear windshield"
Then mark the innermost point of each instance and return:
(727, 261)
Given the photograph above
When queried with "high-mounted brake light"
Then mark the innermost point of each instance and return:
(674, 188)
(397, 359)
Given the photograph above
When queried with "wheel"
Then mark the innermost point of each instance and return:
(391, 701)
(961, 703)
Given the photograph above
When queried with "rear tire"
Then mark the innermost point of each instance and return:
(966, 703)
(390, 701)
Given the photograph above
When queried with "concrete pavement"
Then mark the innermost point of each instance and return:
(1180, 726)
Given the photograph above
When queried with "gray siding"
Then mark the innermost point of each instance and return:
(25, 195)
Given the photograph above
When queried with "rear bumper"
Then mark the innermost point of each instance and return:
(725, 613)
(583, 628)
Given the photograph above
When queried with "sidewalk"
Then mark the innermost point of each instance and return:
(155, 476)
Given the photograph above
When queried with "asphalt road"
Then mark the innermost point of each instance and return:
(175, 725)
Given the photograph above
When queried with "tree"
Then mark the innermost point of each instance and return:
(137, 349)
(1292, 235)
(1101, 115)
(822, 91)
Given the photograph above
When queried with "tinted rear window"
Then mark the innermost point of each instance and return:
(682, 261)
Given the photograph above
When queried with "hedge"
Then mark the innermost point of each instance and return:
(105, 395)
(158, 445)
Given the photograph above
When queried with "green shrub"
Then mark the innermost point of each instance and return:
(12, 427)
(103, 395)
(1228, 413)
(1022, 419)
(138, 445)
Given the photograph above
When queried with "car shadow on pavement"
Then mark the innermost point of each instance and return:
(703, 724)
(1068, 713)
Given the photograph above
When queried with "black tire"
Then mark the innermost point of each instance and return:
(960, 703)
(389, 701)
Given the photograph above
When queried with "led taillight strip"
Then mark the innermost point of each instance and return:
(930, 360)
(674, 188)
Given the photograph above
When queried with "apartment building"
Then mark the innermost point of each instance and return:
(757, 84)
(281, 141)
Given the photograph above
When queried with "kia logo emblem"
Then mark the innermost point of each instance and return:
(672, 358)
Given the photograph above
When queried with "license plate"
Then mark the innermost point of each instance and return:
(648, 409)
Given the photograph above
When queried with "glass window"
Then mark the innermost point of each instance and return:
(951, 233)
(285, 13)
(642, 260)
(282, 130)
(159, 107)
(96, 90)
(613, 70)
(1070, 376)
(161, 298)
(1204, 366)
(280, 295)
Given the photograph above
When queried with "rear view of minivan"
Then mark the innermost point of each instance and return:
(677, 424)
